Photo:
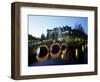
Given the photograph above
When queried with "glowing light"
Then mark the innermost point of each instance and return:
(62, 56)
(63, 53)
(79, 39)
(76, 52)
(38, 51)
(59, 39)
(83, 48)
(53, 40)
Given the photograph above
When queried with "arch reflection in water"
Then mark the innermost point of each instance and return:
(63, 51)
(58, 54)
(55, 50)
(42, 53)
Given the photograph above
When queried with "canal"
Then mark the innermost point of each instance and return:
(58, 55)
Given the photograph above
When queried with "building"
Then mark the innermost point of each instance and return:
(58, 32)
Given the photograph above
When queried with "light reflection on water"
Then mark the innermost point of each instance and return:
(72, 55)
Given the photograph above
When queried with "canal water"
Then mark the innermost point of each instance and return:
(73, 55)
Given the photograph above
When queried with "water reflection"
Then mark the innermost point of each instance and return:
(58, 54)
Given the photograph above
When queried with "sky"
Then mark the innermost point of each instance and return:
(39, 24)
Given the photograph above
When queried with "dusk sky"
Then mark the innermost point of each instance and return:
(39, 24)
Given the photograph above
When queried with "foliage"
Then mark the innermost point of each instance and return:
(43, 37)
(32, 38)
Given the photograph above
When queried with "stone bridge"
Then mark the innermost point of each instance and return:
(56, 49)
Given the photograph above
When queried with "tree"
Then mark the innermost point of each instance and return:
(32, 38)
(79, 28)
(79, 32)
(48, 37)
(43, 37)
